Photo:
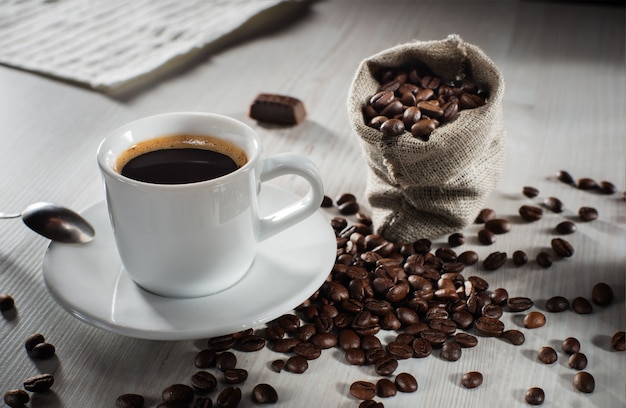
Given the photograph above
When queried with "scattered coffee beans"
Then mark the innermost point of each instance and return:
(535, 396)
(406, 382)
(6, 302)
(602, 294)
(570, 345)
(553, 204)
(178, 393)
(566, 227)
(557, 304)
(16, 398)
(618, 341)
(363, 390)
(534, 320)
(587, 213)
(577, 361)
(264, 394)
(386, 388)
(562, 248)
(129, 401)
(530, 213)
(32, 340)
(39, 383)
(472, 379)
(229, 397)
(582, 306)
(547, 355)
(584, 382)
(530, 192)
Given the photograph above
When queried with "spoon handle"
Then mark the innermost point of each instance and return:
(4, 216)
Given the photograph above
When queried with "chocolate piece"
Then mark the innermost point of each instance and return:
(277, 109)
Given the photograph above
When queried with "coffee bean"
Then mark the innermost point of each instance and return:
(602, 294)
(520, 258)
(586, 183)
(203, 381)
(386, 388)
(486, 237)
(530, 213)
(566, 227)
(557, 304)
(570, 345)
(565, 177)
(371, 404)
(423, 128)
(381, 99)
(392, 128)
(581, 305)
(485, 215)
(435, 337)
(584, 382)
(296, 364)
(32, 340)
(385, 366)
(285, 345)
(498, 226)
(16, 398)
(499, 296)
(363, 390)
(577, 361)
(327, 202)
(468, 257)
(562, 247)
(250, 342)
(494, 260)
(422, 348)
(456, 239)
(324, 340)
(519, 303)
(235, 375)
(205, 358)
(264, 394)
(406, 382)
(547, 355)
(225, 361)
(534, 320)
(587, 213)
(472, 379)
(221, 343)
(344, 198)
(606, 187)
(618, 341)
(278, 365)
(178, 393)
(350, 207)
(129, 401)
(544, 259)
(355, 356)
(203, 402)
(229, 397)
(6, 302)
(400, 351)
(39, 383)
(553, 204)
(43, 351)
(307, 350)
(489, 327)
(535, 396)
(513, 336)
(530, 192)
(451, 351)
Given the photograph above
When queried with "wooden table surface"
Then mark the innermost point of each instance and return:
(564, 104)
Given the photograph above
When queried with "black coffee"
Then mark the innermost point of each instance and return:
(180, 159)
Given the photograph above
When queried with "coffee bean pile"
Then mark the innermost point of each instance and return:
(417, 101)
(38, 349)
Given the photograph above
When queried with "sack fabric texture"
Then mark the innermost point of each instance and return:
(425, 189)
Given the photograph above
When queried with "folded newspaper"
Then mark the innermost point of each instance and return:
(107, 44)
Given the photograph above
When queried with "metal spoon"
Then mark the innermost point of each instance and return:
(56, 223)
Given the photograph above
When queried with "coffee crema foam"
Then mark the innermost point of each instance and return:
(182, 141)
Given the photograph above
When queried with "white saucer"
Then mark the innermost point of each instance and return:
(89, 282)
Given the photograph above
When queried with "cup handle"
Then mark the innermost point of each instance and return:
(289, 164)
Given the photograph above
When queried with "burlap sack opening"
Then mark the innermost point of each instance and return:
(424, 189)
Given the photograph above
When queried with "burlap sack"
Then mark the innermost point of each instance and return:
(424, 189)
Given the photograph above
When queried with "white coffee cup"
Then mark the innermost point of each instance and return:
(196, 239)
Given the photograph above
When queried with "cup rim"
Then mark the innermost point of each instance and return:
(103, 150)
